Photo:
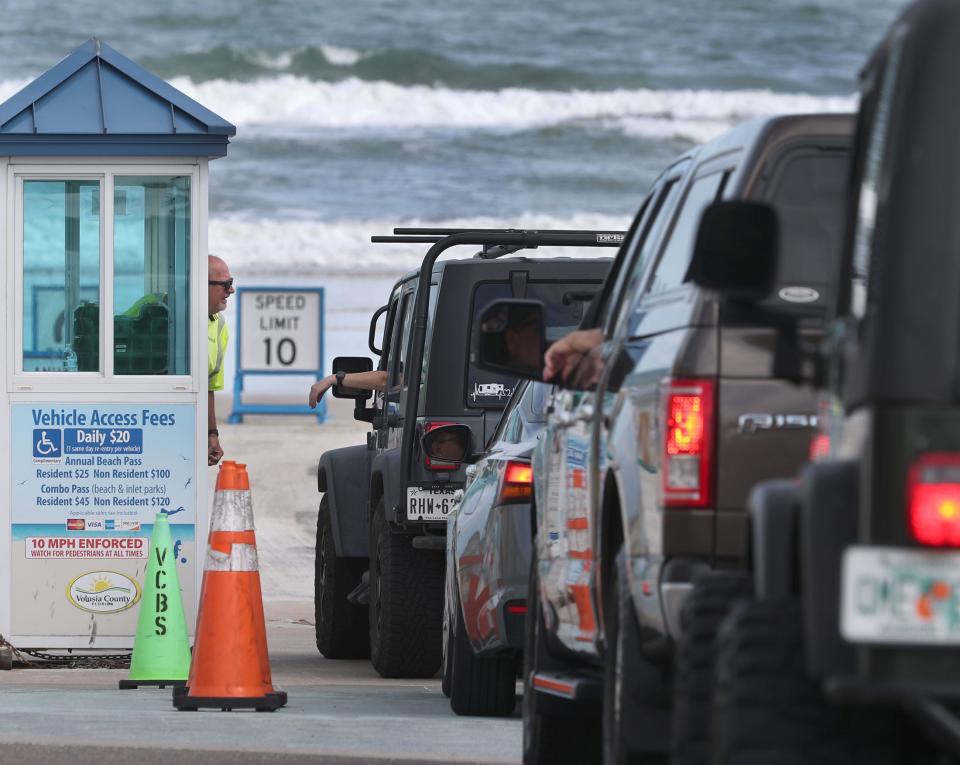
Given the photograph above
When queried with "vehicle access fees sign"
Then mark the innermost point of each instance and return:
(88, 483)
(280, 330)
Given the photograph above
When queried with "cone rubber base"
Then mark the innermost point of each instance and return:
(126, 685)
(269, 702)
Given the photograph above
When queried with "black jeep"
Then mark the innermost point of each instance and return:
(846, 649)
(382, 521)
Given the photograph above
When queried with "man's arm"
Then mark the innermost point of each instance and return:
(214, 452)
(375, 380)
(565, 354)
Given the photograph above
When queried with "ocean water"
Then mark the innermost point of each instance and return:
(356, 117)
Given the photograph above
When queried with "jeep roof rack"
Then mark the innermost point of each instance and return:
(491, 250)
(495, 243)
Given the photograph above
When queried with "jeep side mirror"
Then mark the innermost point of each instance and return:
(372, 336)
(511, 337)
(447, 443)
(351, 365)
(736, 250)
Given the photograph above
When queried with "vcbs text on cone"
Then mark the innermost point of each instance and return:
(231, 668)
(161, 649)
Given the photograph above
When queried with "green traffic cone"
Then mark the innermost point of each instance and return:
(161, 649)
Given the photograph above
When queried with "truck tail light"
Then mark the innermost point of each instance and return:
(437, 464)
(517, 483)
(933, 499)
(688, 450)
(819, 447)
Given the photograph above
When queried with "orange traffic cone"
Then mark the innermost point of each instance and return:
(230, 667)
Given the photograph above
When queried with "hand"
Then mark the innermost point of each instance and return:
(565, 354)
(319, 388)
(214, 452)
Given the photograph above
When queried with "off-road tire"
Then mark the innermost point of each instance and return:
(406, 603)
(767, 710)
(549, 739)
(714, 595)
(479, 686)
(624, 675)
(341, 626)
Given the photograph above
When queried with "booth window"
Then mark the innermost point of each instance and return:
(61, 275)
(151, 283)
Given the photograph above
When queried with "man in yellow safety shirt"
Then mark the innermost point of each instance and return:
(219, 288)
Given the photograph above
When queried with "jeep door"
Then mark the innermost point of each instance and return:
(572, 464)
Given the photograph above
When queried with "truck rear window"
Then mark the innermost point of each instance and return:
(809, 195)
(565, 305)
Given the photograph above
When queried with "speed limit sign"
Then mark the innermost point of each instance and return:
(280, 331)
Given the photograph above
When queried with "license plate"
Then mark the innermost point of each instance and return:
(430, 504)
(896, 595)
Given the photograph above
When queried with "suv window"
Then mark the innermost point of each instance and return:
(401, 335)
(866, 213)
(508, 429)
(565, 304)
(675, 259)
(648, 234)
(808, 195)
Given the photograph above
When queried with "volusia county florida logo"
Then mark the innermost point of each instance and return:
(103, 592)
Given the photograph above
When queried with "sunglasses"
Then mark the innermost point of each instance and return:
(226, 283)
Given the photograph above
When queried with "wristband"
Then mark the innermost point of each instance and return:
(340, 376)
(213, 432)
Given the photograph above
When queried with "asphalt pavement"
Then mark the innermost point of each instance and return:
(337, 712)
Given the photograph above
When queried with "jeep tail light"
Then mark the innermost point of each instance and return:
(517, 483)
(688, 451)
(933, 499)
(437, 464)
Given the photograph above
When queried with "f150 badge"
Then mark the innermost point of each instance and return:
(747, 424)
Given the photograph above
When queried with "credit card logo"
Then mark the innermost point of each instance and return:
(76, 524)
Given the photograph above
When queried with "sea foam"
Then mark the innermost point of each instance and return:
(343, 248)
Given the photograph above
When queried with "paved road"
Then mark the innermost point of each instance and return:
(338, 712)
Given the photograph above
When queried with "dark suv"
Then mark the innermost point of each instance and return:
(382, 521)
(641, 478)
(849, 635)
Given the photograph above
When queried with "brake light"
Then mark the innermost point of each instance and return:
(517, 484)
(688, 454)
(819, 447)
(435, 464)
(933, 499)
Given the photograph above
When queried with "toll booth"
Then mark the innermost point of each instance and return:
(103, 405)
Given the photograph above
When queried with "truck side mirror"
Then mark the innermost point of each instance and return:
(447, 443)
(511, 337)
(351, 365)
(736, 250)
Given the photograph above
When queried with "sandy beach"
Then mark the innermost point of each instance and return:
(281, 454)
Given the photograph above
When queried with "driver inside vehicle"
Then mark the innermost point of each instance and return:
(448, 446)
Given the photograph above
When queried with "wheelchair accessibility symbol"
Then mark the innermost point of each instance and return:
(48, 444)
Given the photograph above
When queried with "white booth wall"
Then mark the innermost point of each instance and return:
(55, 377)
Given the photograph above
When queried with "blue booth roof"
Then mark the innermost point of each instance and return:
(97, 102)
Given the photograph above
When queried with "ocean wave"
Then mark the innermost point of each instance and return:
(288, 102)
(402, 66)
(291, 104)
(318, 248)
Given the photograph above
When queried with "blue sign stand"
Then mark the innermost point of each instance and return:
(239, 407)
